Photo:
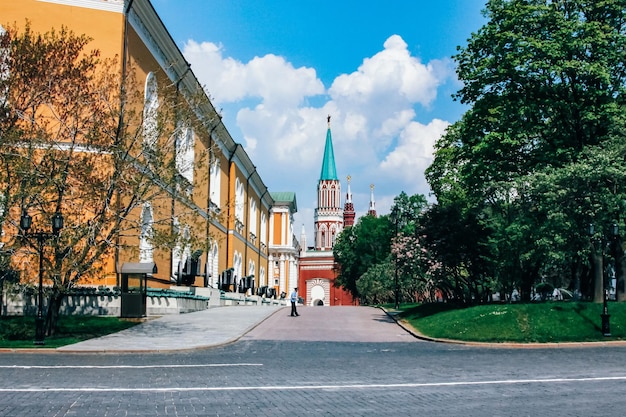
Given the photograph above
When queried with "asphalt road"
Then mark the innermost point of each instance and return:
(348, 361)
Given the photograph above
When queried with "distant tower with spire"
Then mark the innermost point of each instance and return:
(318, 269)
(303, 239)
(328, 214)
(348, 208)
(372, 209)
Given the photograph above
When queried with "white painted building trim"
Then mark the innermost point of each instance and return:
(116, 6)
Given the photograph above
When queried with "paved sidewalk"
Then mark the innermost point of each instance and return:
(222, 325)
(201, 329)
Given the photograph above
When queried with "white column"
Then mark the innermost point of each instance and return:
(282, 283)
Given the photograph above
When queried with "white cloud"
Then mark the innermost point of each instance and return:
(225, 78)
(375, 133)
(393, 76)
(413, 154)
(272, 79)
(394, 125)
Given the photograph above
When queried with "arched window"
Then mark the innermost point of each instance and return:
(213, 265)
(182, 250)
(237, 266)
(263, 234)
(145, 238)
(185, 152)
(150, 113)
(177, 253)
(262, 277)
(215, 182)
(239, 200)
(251, 271)
(323, 237)
(253, 222)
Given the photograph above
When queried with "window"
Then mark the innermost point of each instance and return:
(185, 152)
(213, 264)
(181, 250)
(263, 229)
(145, 238)
(251, 268)
(239, 200)
(215, 182)
(150, 113)
(253, 216)
(237, 266)
(262, 278)
(177, 253)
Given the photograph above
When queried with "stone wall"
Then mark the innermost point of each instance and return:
(107, 305)
(175, 300)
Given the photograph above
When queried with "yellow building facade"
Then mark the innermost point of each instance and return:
(250, 233)
(284, 249)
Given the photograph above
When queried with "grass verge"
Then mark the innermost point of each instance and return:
(549, 322)
(19, 332)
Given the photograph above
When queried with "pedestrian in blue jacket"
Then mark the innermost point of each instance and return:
(294, 300)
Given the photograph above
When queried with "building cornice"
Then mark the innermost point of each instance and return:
(316, 267)
(116, 6)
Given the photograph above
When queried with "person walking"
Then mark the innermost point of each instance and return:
(294, 300)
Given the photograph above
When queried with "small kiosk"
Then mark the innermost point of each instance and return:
(135, 288)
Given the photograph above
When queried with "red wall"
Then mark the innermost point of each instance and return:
(338, 296)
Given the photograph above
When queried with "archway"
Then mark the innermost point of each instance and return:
(317, 295)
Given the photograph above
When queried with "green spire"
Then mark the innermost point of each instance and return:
(329, 172)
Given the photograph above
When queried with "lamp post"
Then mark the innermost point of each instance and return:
(394, 218)
(605, 316)
(41, 237)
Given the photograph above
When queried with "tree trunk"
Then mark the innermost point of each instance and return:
(619, 277)
(577, 272)
(528, 279)
(598, 284)
(52, 316)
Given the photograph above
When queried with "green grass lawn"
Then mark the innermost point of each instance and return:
(19, 332)
(523, 323)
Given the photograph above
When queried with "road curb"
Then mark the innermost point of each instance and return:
(506, 345)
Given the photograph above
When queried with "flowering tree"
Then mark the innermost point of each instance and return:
(418, 272)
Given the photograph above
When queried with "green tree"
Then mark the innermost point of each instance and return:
(410, 257)
(358, 248)
(74, 140)
(590, 190)
(367, 245)
(544, 81)
(376, 285)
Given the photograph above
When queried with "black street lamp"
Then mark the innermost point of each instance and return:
(605, 316)
(41, 237)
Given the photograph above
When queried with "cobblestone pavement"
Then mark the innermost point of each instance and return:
(282, 369)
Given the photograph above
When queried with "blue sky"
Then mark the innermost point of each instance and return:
(381, 69)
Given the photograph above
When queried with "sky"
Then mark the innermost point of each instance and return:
(382, 70)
